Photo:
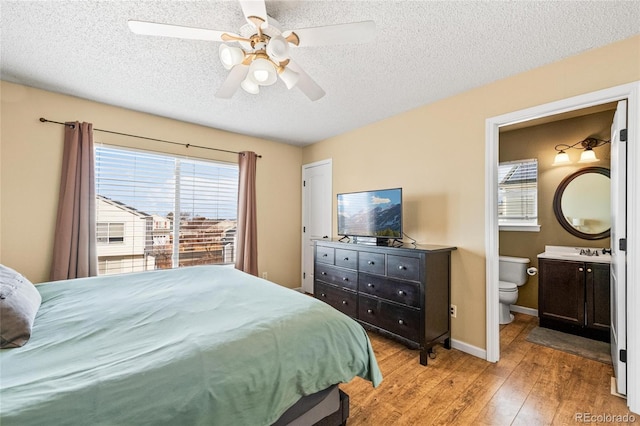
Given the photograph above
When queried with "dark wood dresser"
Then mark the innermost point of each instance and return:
(401, 292)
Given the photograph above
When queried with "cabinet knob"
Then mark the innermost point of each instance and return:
(401, 267)
(369, 311)
(344, 302)
(369, 285)
(580, 269)
(345, 279)
(400, 322)
(400, 292)
(589, 270)
(371, 262)
(346, 259)
(323, 294)
(324, 255)
(323, 273)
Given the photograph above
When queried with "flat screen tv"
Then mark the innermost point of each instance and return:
(371, 214)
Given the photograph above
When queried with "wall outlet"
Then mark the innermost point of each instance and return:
(265, 275)
(453, 310)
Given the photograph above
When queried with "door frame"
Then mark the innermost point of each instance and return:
(305, 167)
(631, 92)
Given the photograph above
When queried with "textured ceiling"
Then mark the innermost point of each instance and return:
(423, 51)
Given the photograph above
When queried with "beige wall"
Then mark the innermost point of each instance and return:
(539, 142)
(31, 163)
(436, 153)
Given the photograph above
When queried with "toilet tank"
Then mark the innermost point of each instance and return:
(513, 269)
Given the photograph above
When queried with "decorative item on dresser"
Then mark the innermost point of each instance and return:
(401, 292)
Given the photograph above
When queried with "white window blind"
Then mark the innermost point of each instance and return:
(518, 192)
(159, 211)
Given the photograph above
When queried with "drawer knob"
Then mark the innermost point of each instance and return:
(371, 262)
(345, 279)
(580, 269)
(344, 302)
(323, 273)
(346, 259)
(400, 322)
(369, 285)
(324, 255)
(589, 270)
(402, 267)
(369, 311)
(401, 293)
(323, 294)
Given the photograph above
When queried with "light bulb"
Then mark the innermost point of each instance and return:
(250, 86)
(263, 72)
(588, 156)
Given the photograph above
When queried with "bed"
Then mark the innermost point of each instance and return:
(204, 345)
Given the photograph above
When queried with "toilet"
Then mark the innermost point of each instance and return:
(512, 274)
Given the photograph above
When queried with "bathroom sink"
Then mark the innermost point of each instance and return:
(578, 254)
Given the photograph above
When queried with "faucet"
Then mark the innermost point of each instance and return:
(605, 251)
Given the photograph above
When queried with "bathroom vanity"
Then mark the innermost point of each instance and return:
(573, 291)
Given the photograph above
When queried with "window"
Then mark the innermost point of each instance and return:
(109, 233)
(159, 211)
(518, 194)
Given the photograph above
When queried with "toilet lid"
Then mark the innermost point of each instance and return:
(508, 286)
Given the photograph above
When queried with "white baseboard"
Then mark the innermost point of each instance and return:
(470, 349)
(524, 310)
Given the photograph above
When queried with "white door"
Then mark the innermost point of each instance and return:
(316, 213)
(618, 256)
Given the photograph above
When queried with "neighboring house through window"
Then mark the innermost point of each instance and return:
(158, 211)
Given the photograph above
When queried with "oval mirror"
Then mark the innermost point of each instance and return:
(582, 203)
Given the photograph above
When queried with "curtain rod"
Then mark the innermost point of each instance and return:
(186, 145)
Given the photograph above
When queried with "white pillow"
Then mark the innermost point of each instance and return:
(19, 303)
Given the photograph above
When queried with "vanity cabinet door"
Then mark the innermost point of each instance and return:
(598, 298)
(561, 292)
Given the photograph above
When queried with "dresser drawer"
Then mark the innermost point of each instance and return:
(406, 268)
(346, 258)
(337, 276)
(324, 254)
(400, 320)
(343, 300)
(372, 263)
(404, 292)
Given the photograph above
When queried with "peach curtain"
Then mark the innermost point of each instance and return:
(74, 249)
(247, 235)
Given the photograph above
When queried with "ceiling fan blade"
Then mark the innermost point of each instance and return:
(355, 32)
(177, 31)
(306, 83)
(255, 8)
(231, 84)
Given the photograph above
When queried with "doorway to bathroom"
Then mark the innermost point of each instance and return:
(551, 112)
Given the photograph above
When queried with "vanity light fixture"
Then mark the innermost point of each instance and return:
(588, 155)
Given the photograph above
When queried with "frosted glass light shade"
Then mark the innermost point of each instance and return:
(230, 56)
(278, 49)
(588, 156)
(263, 72)
(250, 86)
(561, 159)
(289, 77)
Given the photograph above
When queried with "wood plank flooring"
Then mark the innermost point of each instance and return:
(530, 385)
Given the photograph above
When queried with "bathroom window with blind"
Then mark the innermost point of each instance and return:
(159, 211)
(518, 195)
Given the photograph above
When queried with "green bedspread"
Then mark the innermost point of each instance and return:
(192, 346)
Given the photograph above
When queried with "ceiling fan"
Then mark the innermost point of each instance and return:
(263, 55)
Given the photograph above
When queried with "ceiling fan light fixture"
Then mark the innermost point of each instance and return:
(263, 72)
(250, 86)
(278, 49)
(289, 77)
(230, 56)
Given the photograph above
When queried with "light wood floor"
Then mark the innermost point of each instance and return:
(530, 385)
